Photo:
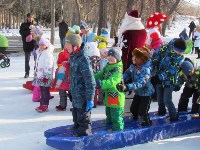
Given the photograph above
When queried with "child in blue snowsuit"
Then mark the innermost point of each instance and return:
(82, 85)
(166, 64)
(139, 73)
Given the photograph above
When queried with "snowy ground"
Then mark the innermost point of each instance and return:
(22, 128)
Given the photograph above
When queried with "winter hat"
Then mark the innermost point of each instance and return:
(184, 35)
(62, 56)
(133, 13)
(84, 25)
(103, 50)
(29, 15)
(44, 41)
(180, 45)
(74, 39)
(154, 36)
(104, 33)
(142, 53)
(37, 31)
(115, 52)
(187, 67)
(75, 29)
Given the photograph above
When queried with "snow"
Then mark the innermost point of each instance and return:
(22, 128)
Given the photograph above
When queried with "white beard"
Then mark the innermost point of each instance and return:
(128, 23)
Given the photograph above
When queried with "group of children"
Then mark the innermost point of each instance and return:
(75, 73)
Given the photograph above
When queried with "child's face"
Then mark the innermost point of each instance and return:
(191, 73)
(42, 46)
(69, 48)
(133, 59)
(105, 54)
(137, 61)
(112, 60)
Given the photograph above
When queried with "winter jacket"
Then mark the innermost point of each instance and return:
(63, 28)
(192, 81)
(110, 76)
(44, 67)
(62, 56)
(24, 32)
(88, 38)
(140, 77)
(3, 41)
(166, 64)
(82, 82)
(197, 39)
(62, 80)
(155, 44)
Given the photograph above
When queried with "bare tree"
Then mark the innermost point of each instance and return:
(102, 23)
(52, 21)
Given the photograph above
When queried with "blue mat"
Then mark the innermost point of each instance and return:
(62, 138)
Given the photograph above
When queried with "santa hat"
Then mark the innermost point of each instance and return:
(154, 36)
(133, 13)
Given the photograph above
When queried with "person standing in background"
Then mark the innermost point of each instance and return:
(192, 26)
(28, 43)
(63, 28)
(87, 36)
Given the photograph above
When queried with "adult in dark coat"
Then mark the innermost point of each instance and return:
(132, 35)
(192, 26)
(25, 30)
(63, 28)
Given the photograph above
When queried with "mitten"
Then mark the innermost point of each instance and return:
(98, 84)
(89, 105)
(122, 87)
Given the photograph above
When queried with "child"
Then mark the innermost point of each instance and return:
(62, 79)
(190, 75)
(106, 80)
(139, 72)
(156, 42)
(44, 72)
(166, 64)
(102, 39)
(103, 63)
(82, 84)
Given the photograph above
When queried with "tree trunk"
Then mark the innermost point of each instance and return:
(78, 17)
(129, 5)
(158, 4)
(170, 12)
(102, 16)
(10, 20)
(113, 30)
(52, 21)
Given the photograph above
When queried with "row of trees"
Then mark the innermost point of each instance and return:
(97, 13)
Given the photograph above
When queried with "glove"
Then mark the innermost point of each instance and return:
(176, 88)
(89, 105)
(122, 87)
(45, 80)
(98, 84)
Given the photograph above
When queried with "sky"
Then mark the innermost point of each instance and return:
(22, 128)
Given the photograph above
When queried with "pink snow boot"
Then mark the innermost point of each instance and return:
(36, 94)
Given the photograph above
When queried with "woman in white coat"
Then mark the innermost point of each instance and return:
(197, 40)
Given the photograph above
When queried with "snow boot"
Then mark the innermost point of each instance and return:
(60, 108)
(42, 108)
(36, 94)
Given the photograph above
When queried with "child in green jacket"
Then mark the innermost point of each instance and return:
(106, 80)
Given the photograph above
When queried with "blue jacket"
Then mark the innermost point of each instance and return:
(141, 84)
(166, 64)
(82, 82)
(88, 38)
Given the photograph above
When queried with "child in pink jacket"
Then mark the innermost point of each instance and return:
(156, 42)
